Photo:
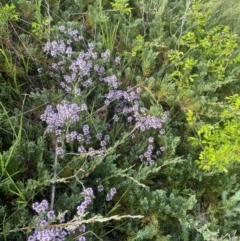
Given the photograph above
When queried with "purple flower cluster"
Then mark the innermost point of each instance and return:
(81, 238)
(129, 106)
(79, 73)
(148, 122)
(106, 55)
(88, 195)
(71, 136)
(111, 81)
(76, 72)
(111, 194)
(52, 234)
(86, 129)
(44, 220)
(55, 48)
(100, 188)
(117, 60)
(40, 207)
(148, 157)
(66, 113)
(59, 151)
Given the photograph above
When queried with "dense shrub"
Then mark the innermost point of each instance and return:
(105, 108)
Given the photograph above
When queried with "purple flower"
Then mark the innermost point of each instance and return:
(103, 143)
(117, 60)
(88, 194)
(43, 222)
(115, 118)
(65, 113)
(59, 151)
(107, 138)
(71, 136)
(148, 157)
(40, 207)
(86, 129)
(72, 32)
(88, 191)
(129, 119)
(150, 139)
(106, 55)
(81, 238)
(81, 149)
(88, 139)
(69, 51)
(162, 131)
(80, 137)
(111, 81)
(162, 148)
(100, 188)
(151, 162)
(82, 228)
(61, 28)
(99, 136)
(111, 194)
(51, 215)
(83, 107)
(138, 90)
(58, 132)
(51, 234)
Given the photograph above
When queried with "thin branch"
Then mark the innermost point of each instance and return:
(184, 18)
(77, 222)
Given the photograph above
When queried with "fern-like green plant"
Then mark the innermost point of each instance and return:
(219, 141)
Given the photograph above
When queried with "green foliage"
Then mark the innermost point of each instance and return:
(41, 30)
(231, 207)
(11, 69)
(101, 18)
(226, 12)
(203, 57)
(220, 141)
(17, 134)
(122, 6)
(185, 55)
(138, 45)
(200, 64)
(212, 52)
(8, 13)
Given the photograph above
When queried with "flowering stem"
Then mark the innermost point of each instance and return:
(54, 176)
(94, 219)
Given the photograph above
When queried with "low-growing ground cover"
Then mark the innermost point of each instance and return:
(119, 120)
